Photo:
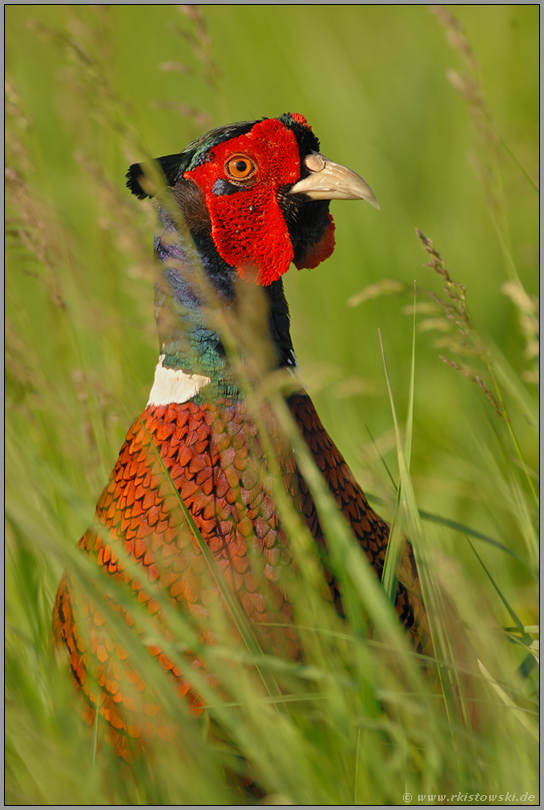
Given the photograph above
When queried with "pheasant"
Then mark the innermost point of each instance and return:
(240, 204)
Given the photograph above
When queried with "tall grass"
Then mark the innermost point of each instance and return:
(361, 722)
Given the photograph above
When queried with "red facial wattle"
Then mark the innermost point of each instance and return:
(300, 120)
(248, 226)
(318, 252)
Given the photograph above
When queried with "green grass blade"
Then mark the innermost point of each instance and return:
(515, 619)
(391, 565)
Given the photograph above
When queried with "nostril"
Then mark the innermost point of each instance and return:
(314, 162)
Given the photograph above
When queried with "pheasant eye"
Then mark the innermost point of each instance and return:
(240, 167)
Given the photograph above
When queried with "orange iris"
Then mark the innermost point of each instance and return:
(240, 167)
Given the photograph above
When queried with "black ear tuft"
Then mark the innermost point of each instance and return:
(171, 165)
(133, 175)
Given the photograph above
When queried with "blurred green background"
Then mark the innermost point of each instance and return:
(93, 88)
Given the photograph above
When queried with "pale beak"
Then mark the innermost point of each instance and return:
(331, 181)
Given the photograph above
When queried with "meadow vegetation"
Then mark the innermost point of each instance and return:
(419, 348)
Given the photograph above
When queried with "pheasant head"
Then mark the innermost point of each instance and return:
(255, 198)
